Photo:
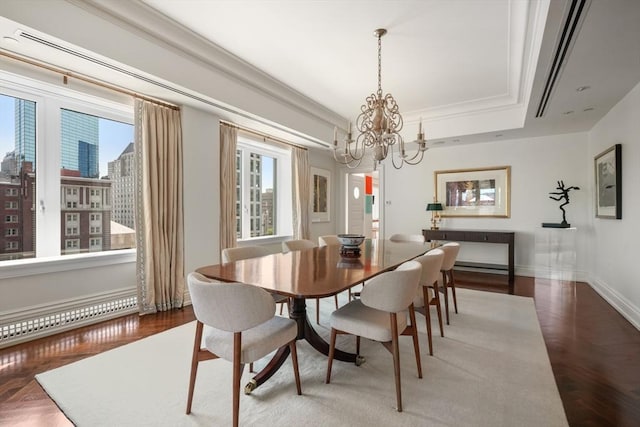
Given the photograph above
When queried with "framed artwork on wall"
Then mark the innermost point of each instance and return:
(608, 173)
(321, 194)
(482, 192)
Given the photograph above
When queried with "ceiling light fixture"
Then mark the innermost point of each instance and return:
(379, 124)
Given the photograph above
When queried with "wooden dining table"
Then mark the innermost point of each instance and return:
(313, 273)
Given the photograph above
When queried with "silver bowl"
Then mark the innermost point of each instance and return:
(350, 240)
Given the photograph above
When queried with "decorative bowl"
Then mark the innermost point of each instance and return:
(350, 240)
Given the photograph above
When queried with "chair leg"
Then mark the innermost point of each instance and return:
(438, 306)
(251, 367)
(396, 358)
(414, 335)
(332, 350)
(294, 360)
(194, 364)
(427, 316)
(358, 345)
(237, 374)
(336, 299)
(453, 290)
(446, 296)
(318, 311)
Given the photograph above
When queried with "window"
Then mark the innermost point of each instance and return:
(11, 246)
(93, 138)
(11, 232)
(263, 190)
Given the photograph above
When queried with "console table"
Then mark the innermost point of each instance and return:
(481, 236)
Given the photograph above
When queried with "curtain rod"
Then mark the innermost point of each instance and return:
(260, 134)
(66, 74)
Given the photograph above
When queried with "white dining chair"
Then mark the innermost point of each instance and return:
(418, 238)
(451, 251)
(428, 294)
(299, 245)
(381, 315)
(246, 252)
(328, 240)
(242, 328)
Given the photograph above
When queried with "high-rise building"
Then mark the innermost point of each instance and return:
(79, 143)
(121, 175)
(25, 131)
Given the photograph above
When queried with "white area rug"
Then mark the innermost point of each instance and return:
(491, 369)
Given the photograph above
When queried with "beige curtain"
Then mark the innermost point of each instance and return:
(159, 214)
(301, 176)
(228, 147)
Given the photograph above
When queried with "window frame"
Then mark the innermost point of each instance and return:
(282, 190)
(50, 100)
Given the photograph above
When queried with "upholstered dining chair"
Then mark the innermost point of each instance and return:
(381, 315)
(242, 328)
(246, 252)
(428, 294)
(419, 238)
(299, 245)
(451, 250)
(329, 240)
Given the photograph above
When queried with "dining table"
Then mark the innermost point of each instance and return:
(314, 273)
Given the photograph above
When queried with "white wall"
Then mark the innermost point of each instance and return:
(536, 165)
(613, 242)
(201, 150)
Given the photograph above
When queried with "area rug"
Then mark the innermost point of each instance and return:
(490, 369)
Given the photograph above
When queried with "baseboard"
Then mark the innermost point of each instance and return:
(549, 273)
(622, 305)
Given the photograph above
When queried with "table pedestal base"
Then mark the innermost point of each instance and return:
(305, 331)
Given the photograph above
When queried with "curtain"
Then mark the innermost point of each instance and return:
(228, 147)
(159, 210)
(301, 176)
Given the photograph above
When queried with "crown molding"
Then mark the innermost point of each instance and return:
(140, 19)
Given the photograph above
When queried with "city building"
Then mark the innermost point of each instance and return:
(79, 145)
(121, 175)
(85, 220)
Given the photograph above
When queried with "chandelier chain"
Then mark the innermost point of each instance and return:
(379, 65)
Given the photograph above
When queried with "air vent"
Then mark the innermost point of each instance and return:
(30, 328)
(573, 22)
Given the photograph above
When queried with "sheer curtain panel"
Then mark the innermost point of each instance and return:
(159, 210)
(301, 175)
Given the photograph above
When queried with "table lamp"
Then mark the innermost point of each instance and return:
(435, 217)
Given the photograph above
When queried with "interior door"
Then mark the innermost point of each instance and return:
(355, 204)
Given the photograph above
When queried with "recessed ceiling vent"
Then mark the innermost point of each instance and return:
(573, 21)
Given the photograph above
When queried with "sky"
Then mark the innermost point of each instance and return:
(113, 136)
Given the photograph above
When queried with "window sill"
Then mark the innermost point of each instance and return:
(45, 265)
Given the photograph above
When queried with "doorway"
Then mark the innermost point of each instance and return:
(363, 201)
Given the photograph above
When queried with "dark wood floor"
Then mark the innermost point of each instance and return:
(594, 352)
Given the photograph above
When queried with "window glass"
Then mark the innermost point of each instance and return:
(260, 200)
(97, 180)
(17, 177)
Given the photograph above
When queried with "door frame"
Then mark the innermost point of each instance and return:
(344, 182)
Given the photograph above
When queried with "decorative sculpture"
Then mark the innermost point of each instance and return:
(562, 194)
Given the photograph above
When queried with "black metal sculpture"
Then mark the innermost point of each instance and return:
(562, 194)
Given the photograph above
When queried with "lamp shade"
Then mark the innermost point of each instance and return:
(434, 207)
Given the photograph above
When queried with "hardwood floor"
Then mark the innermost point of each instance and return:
(594, 353)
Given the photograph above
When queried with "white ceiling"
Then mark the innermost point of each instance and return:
(471, 69)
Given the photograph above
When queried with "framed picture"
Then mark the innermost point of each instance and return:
(483, 192)
(609, 183)
(321, 193)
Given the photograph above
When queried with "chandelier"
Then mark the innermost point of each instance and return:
(379, 124)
